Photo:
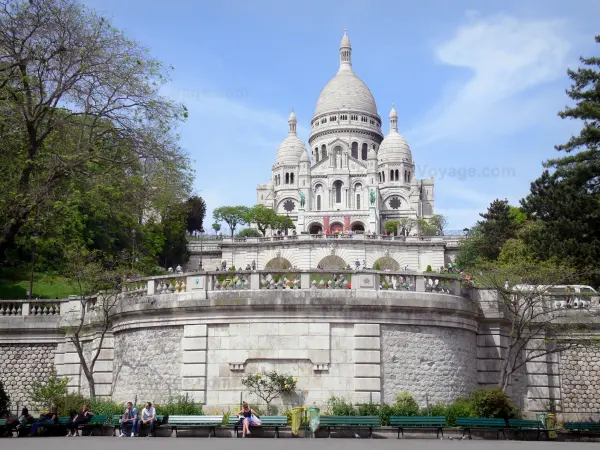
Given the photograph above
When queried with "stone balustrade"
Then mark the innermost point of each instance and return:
(30, 307)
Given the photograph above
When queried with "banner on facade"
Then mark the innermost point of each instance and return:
(346, 223)
(326, 224)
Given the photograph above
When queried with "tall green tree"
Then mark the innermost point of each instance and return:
(77, 98)
(196, 213)
(263, 217)
(498, 225)
(581, 166)
(232, 216)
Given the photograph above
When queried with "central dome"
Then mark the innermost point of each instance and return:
(346, 91)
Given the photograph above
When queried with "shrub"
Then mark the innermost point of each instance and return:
(181, 405)
(269, 386)
(439, 409)
(232, 268)
(368, 409)
(46, 395)
(461, 407)
(4, 400)
(377, 266)
(256, 409)
(385, 412)
(405, 405)
(428, 268)
(106, 406)
(493, 402)
(249, 232)
(71, 404)
(337, 406)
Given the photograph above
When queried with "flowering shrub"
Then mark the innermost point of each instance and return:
(270, 385)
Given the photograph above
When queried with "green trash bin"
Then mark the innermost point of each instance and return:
(314, 419)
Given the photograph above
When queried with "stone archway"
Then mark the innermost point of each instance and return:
(336, 227)
(315, 228)
(278, 263)
(387, 263)
(332, 262)
(357, 226)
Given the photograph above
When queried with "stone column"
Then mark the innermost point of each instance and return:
(193, 367)
(367, 363)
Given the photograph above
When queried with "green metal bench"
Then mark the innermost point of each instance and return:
(349, 422)
(96, 421)
(4, 429)
(276, 422)
(182, 422)
(419, 422)
(60, 424)
(467, 424)
(576, 428)
(527, 425)
(116, 422)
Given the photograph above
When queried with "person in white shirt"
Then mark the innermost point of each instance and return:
(149, 418)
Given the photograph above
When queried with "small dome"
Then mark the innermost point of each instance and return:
(304, 157)
(291, 149)
(345, 41)
(292, 117)
(393, 113)
(394, 147)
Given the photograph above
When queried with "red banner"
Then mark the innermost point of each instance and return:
(347, 223)
(326, 224)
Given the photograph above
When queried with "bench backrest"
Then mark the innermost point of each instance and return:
(98, 419)
(3, 422)
(582, 426)
(522, 423)
(418, 420)
(63, 420)
(479, 422)
(195, 420)
(266, 420)
(349, 420)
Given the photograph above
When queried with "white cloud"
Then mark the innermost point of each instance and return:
(507, 58)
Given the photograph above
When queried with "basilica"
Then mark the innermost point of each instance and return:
(354, 178)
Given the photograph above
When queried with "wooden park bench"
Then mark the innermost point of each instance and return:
(349, 422)
(576, 428)
(189, 422)
(96, 421)
(527, 425)
(116, 422)
(468, 423)
(419, 422)
(276, 422)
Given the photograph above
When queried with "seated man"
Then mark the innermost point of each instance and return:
(149, 418)
(48, 419)
(130, 417)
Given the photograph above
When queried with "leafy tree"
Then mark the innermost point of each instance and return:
(469, 250)
(391, 227)
(582, 165)
(438, 222)
(196, 213)
(263, 217)
(77, 100)
(175, 246)
(48, 394)
(250, 232)
(408, 224)
(232, 216)
(496, 227)
(270, 385)
(216, 227)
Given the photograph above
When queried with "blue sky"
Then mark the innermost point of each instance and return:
(477, 85)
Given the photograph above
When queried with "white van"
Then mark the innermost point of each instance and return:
(567, 295)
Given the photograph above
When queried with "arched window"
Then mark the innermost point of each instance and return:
(317, 154)
(383, 176)
(391, 175)
(355, 150)
(397, 175)
(318, 203)
(363, 153)
(337, 186)
(408, 176)
(323, 151)
(357, 201)
(287, 178)
(292, 178)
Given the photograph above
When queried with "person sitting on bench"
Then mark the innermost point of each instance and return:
(149, 418)
(49, 419)
(130, 417)
(247, 417)
(81, 418)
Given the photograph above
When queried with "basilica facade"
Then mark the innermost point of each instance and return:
(353, 178)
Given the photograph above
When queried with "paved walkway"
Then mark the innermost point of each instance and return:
(102, 443)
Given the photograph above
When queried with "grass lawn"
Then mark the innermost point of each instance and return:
(14, 284)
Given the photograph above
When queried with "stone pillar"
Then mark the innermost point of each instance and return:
(151, 287)
(301, 220)
(193, 367)
(367, 363)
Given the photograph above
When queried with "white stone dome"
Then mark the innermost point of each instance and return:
(394, 147)
(304, 157)
(346, 91)
(291, 149)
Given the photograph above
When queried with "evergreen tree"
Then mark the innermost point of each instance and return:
(498, 226)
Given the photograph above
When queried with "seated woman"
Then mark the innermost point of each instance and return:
(246, 414)
(48, 419)
(81, 418)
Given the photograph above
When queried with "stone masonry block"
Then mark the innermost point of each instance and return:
(318, 329)
(103, 390)
(70, 358)
(229, 397)
(193, 370)
(366, 329)
(489, 365)
(292, 354)
(264, 329)
(194, 331)
(193, 384)
(239, 329)
(293, 329)
(103, 366)
(367, 343)
(106, 354)
(197, 396)
(319, 356)
(367, 370)
(194, 343)
(367, 384)
(367, 397)
(103, 377)
(70, 369)
(194, 356)
(492, 340)
(314, 343)
(367, 356)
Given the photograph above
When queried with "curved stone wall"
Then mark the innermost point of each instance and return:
(435, 364)
(147, 364)
(20, 366)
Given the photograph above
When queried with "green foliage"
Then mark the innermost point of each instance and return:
(461, 407)
(391, 227)
(377, 266)
(405, 405)
(4, 399)
(256, 409)
(196, 209)
(232, 216)
(105, 406)
(434, 226)
(250, 232)
(270, 385)
(71, 404)
(498, 225)
(493, 402)
(428, 268)
(46, 394)
(180, 405)
(14, 284)
(216, 227)
(338, 406)
(264, 218)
